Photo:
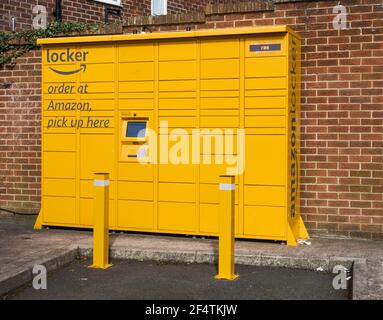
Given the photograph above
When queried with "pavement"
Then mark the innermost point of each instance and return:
(143, 280)
(21, 248)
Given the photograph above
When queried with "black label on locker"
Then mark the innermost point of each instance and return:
(265, 47)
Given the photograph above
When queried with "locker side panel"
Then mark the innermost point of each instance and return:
(266, 137)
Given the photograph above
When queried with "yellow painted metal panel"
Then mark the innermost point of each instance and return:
(177, 216)
(59, 187)
(59, 165)
(265, 67)
(296, 228)
(263, 131)
(222, 143)
(219, 103)
(264, 195)
(219, 94)
(218, 49)
(135, 190)
(177, 173)
(265, 93)
(135, 214)
(59, 142)
(54, 77)
(265, 83)
(265, 102)
(100, 105)
(177, 94)
(265, 151)
(97, 53)
(172, 113)
(136, 95)
(220, 69)
(265, 221)
(209, 221)
(265, 112)
(98, 72)
(177, 50)
(136, 104)
(136, 52)
(177, 192)
(96, 90)
(136, 71)
(219, 84)
(135, 171)
(177, 85)
(219, 122)
(101, 86)
(59, 210)
(177, 103)
(136, 86)
(179, 122)
(218, 112)
(265, 121)
(177, 70)
(97, 155)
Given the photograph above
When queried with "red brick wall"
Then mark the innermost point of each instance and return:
(84, 10)
(20, 134)
(342, 115)
(186, 6)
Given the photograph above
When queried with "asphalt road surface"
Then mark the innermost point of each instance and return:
(139, 280)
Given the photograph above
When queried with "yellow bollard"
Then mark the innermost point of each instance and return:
(101, 221)
(226, 228)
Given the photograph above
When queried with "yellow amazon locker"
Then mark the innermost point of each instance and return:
(165, 114)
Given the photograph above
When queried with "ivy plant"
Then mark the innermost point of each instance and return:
(14, 44)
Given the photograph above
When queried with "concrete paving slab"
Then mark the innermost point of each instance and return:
(21, 247)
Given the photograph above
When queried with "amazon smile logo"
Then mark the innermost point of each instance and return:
(67, 55)
(66, 73)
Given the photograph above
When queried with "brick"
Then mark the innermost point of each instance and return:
(343, 219)
(360, 219)
(328, 226)
(349, 227)
(358, 234)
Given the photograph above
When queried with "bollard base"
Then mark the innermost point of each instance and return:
(107, 266)
(230, 278)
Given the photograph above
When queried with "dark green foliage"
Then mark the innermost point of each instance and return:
(15, 44)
